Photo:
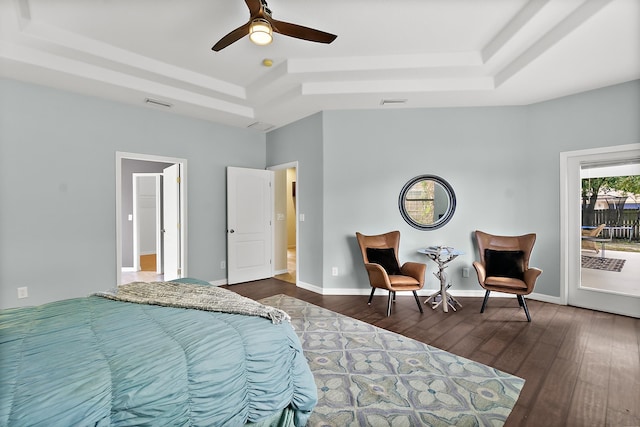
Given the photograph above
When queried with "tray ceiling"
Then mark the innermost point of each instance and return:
(413, 53)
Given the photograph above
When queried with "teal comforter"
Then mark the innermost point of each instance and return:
(97, 362)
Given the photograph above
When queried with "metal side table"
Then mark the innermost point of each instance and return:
(442, 255)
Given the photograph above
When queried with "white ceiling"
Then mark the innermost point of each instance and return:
(431, 53)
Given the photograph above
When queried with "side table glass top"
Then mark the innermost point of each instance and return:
(440, 250)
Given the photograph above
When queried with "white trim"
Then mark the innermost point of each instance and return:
(120, 155)
(312, 288)
(136, 232)
(564, 227)
(471, 293)
(288, 165)
(218, 282)
(544, 298)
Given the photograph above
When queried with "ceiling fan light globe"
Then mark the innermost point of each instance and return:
(260, 32)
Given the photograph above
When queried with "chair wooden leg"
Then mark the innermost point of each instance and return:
(415, 295)
(389, 304)
(484, 303)
(523, 304)
(394, 296)
(371, 296)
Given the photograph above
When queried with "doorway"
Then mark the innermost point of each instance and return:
(147, 223)
(127, 262)
(589, 287)
(286, 222)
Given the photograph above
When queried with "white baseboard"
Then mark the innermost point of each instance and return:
(425, 293)
(367, 291)
(218, 282)
(312, 288)
(545, 298)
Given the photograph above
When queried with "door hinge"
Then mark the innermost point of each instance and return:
(178, 180)
(179, 272)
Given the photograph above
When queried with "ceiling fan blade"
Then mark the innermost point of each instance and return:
(254, 6)
(300, 32)
(232, 37)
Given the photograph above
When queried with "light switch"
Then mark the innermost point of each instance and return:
(301, 217)
(130, 217)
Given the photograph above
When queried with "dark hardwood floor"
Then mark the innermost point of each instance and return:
(582, 367)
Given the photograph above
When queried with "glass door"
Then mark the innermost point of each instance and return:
(610, 211)
(600, 246)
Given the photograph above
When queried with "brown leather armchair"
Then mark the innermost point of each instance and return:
(504, 266)
(380, 256)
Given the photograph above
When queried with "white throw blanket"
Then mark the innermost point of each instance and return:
(182, 295)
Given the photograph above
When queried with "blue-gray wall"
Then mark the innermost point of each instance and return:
(57, 187)
(503, 163)
(599, 118)
(302, 142)
(57, 183)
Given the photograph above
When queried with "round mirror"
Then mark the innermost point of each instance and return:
(427, 202)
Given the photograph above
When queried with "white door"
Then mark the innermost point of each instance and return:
(249, 234)
(577, 293)
(172, 262)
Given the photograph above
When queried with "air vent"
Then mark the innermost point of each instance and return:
(393, 101)
(157, 103)
(260, 126)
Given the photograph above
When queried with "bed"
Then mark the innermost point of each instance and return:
(104, 361)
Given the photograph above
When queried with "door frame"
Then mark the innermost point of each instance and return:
(119, 157)
(295, 166)
(570, 222)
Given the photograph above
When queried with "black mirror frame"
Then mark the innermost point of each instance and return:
(445, 218)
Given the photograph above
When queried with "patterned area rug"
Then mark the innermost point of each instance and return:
(367, 376)
(599, 263)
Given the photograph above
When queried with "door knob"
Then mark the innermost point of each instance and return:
(232, 231)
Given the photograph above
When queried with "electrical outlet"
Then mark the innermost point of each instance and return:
(23, 292)
(223, 265)
(334, 271)
(465, 272)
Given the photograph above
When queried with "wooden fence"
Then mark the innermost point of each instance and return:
(619, 226)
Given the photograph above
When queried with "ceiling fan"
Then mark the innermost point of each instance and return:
(261, 26)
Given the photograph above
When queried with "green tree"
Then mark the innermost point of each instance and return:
(591, 187)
